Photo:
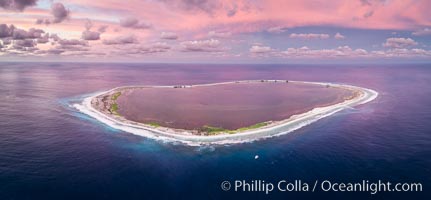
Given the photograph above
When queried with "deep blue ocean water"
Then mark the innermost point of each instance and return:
(48, 150)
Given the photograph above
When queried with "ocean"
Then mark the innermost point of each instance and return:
(49, 150)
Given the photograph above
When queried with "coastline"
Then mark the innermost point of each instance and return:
(272, 129)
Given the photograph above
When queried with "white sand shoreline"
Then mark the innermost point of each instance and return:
(274, 129)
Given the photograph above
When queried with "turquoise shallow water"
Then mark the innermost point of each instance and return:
(48, 150)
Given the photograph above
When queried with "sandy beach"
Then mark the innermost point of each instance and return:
(275, 128)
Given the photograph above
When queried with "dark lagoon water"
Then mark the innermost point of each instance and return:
(48, 150)
(227, 106)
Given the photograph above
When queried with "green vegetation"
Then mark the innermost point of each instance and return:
(115, 96)
(114, 109)
(114, 106)
(153, 124)
(211, 130)
(254, 126)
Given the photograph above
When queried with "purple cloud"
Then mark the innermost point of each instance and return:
(365, 2)
(6, 41)
(129, 39)
(32, 33)
(422, 32)
(6, 31)
(44, 39)
(55, 37)
(341, 51)
(231, 11)
(309, 36)
(59, 12)
(17, 5)
(43, 21)
(399, 43)
(276, 29)
(24, 43)
(69, 49)
(219, 34)
(256, 49)
(66, 46)
(211, 45)
(338, 36)
(102, 28)
(154, 48)
(90, 35)
(207, 6)
(53, 51)
(134, 23)
(168, 36)
(72, 42)
(368, 14)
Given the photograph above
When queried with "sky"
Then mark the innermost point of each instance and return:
(216, 31)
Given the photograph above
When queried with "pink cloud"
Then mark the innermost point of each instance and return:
(135, 49)
(73, 42)
(121, 40)
(59, 12)
(342, 51)
(134, 23)
(347, 52)
(256, 49)
(214, 26)
(276, 29)
(309, 36)
(338, 36)
(258, 16)
(168, 36)
(422, 32)
(219, 34)
(211, 45)
(90, 35)
(399, 43)
(18, 5)
(252, 16)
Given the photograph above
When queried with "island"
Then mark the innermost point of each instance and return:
(226, 112)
